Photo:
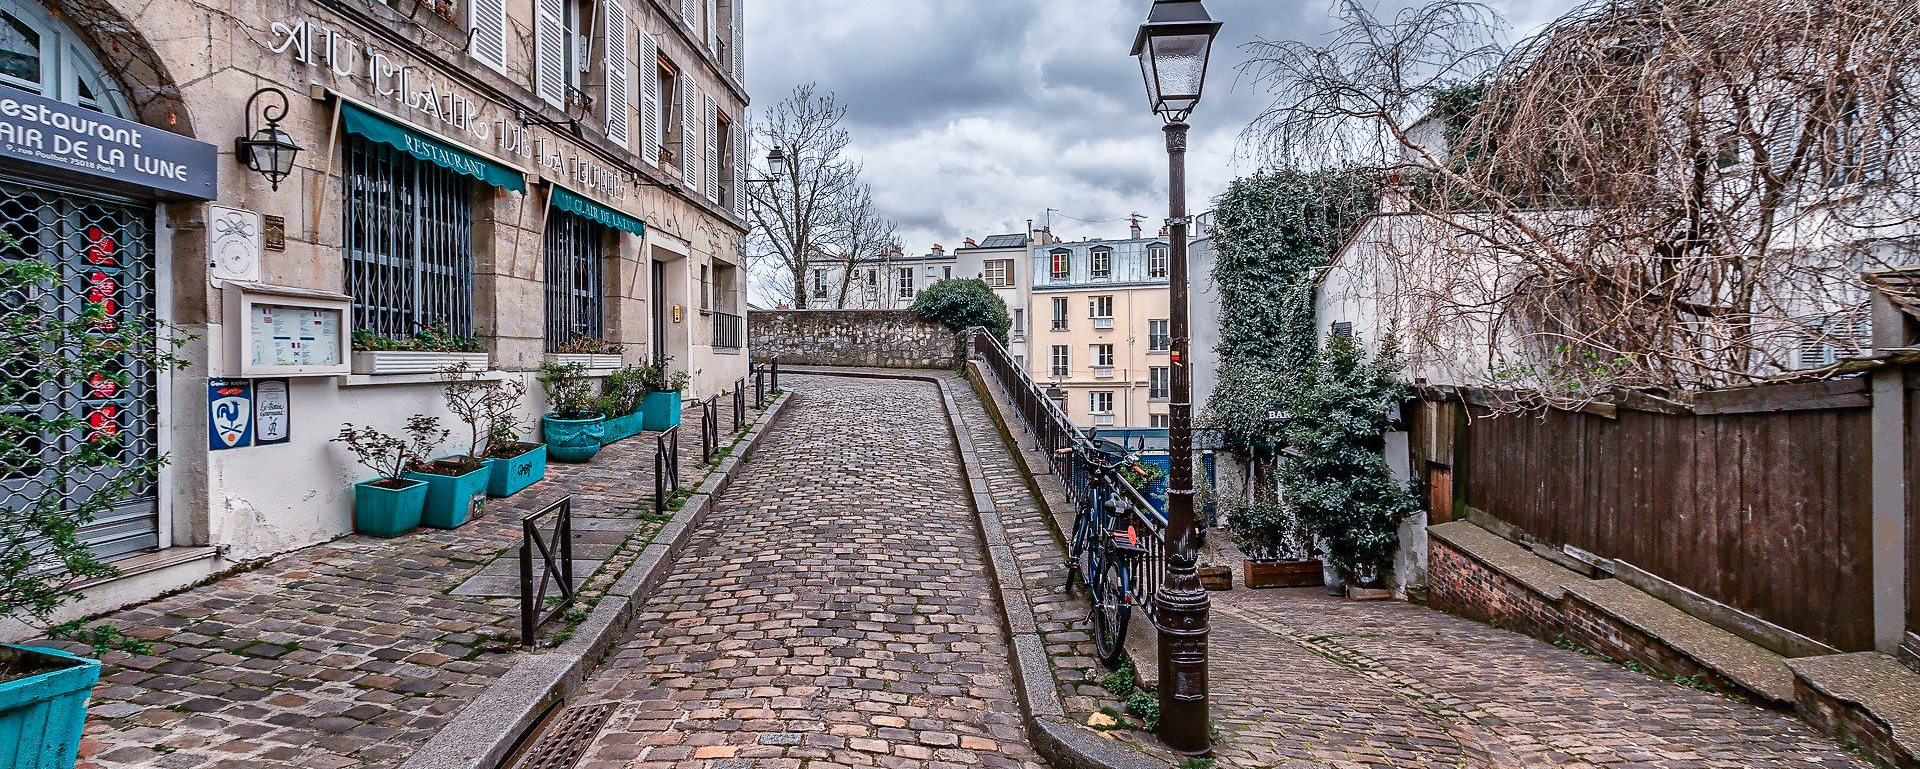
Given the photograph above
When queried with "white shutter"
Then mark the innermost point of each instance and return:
(739, 25)
(550, 52)
(740, 156)
(711, 132)
(689, 133)
(713, 25)
(487, 21)
(619, 82)
(690, 12)
(649, 73)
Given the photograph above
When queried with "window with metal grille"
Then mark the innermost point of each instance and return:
(574, 282)
(1060, 360)
(1159, 383)
(1158, 339)
(102, 255)
(408, 242)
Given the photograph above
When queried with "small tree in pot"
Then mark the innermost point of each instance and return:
(573, 429)
(390, 504)
(662, 402)
(456, 483)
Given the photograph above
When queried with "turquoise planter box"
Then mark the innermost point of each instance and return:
(572, 440)
(624, 426)
(381, 512)
(450, 497)
(662, 410)
(506, 477)
(41, 716)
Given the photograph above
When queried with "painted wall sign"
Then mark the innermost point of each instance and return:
(389, 81)
(72, 139)
(272, 412)
(229, 413)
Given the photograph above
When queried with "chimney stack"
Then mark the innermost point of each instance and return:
(1393, 197)
(971, 244)
(1136, 228)
(939, 249)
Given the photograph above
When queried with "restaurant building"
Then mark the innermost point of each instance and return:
(526, 173)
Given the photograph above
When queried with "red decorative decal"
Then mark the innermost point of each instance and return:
(100, 291)
(102, 387)
(100, 247)
(104, 421)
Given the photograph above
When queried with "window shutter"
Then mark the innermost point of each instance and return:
(1782, 134)
(739, 29)
(550, 52)
(740, 156)
(712, 32)
(711, 132)
(690, 11)
(487, 21)
(689, 139)
(619, 79)
(648, 70)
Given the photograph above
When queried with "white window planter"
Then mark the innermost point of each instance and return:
(591, 362)
(415, 362)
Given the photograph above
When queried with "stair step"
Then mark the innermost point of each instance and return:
(1738, 660)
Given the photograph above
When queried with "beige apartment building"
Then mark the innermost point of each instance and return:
(1099, 330)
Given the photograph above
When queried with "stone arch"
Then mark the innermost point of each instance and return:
(128, 58)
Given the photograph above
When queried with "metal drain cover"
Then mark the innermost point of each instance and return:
(563, 744)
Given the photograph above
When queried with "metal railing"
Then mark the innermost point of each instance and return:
(766, 377)
(666, 468)
(1047, 424)
(709, 428)
(729, 330)
(739, 403)
(556, 567)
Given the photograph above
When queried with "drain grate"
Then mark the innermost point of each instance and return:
(563, 744)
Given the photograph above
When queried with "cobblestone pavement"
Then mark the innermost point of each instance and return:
(347, 653)
(834, 611)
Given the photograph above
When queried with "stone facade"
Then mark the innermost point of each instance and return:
(882, 338)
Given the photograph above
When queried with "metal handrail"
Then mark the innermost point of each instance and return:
(556, 566)
(1050, 426)
(709, 428)
(666, 468)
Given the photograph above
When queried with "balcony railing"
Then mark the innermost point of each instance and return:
(729, 330)
(1059, 325)
(1103, 323)
(1102, 372)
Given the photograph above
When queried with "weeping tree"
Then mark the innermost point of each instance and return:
(1659, 194)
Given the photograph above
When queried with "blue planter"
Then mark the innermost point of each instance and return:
(623, 426)
(450, 497)
(382, 512)
(662, 410)
(506, 477)
(41, 715)
(572, 440)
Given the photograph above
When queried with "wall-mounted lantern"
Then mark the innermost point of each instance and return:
(267, 150)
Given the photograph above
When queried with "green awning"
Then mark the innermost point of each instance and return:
(565, 200)
(437, 151)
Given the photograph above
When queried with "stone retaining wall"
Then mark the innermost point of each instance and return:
(876, 338)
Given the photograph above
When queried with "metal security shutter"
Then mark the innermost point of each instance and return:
(407, 237)
(689, 139)
(102, 254)
(574, 281)
(619, 79)
(711, 132)
(550, 52)
(647, 68)
(487, 21)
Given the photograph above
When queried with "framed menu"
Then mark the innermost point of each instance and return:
(282, 331)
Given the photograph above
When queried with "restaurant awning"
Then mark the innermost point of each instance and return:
(566, 200)
(380, 128)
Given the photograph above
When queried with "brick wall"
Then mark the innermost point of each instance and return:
(885, 338)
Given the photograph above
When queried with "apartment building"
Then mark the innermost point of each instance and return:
(1100, 329)
(1000, 261)
(890, 282)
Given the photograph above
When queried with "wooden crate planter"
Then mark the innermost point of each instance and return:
(1262, 574)
(1216, 577)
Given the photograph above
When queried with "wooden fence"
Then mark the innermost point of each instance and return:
(1759, 499)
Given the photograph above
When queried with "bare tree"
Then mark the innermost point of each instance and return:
(1664, 194)
(866, 241)
(794, 215)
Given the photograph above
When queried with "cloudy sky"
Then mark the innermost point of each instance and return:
(973, 116)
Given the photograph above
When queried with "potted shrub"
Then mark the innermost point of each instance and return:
(1278, 547)
(456, 483)
(590, 353)
(390, 505)
(662, 402)
(43, 693)
(620, 396)
(573, 429)
(431, 349)
(512, 464)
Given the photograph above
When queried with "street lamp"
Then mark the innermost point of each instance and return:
(1173, 46)
(268, 151)
(777, 161)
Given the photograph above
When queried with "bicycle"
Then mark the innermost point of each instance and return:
(1102, 555)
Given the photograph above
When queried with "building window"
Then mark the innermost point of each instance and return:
(1100, 402)
(999, 272)
(724, 165)
(1103, 355)
(574, 293)
(41, 54)
(819, 284)
(407, 241)
(1059, 313)
(1102, 266)
(946, 273)
(1062, 264)
(706, 305)
(1100, 309)
(1060, 360)
(1020, 362)
(1159, 420)
(671, 127)
(906, 283)
(1019, 322)
(1159, 383)
(1158, 340)
(1157, 261)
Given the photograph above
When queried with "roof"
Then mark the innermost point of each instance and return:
(1004, 241)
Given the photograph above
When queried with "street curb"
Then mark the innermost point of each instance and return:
(482, 734)
(1056, 738)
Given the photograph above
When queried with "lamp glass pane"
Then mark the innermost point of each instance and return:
(1153, 82)
(1180, 62)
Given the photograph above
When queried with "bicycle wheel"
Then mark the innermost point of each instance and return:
(1111, 609)
(1089, 526)
(1077, 548)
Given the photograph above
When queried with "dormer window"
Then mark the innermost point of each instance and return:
(1102, 262)
(1062, 264)
(1156, 261)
